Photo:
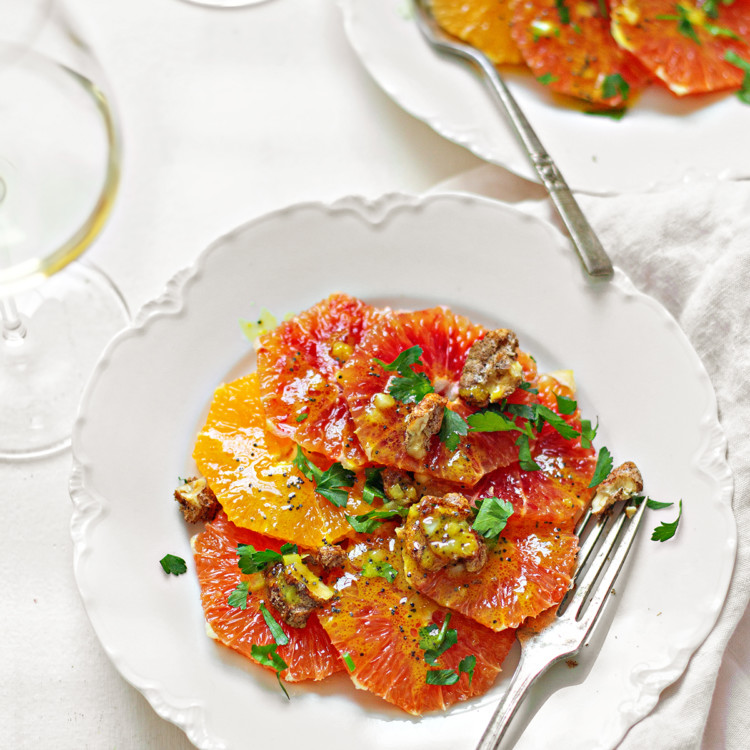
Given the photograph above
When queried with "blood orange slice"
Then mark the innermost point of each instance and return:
(381, 424)
(559, 492)
(569, 47)
(686, 43)
(527, 571)
(376, 623)
(297, 366)
(252, 474)
(309, 653)
(484, 24)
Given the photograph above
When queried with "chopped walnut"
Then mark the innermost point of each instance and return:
(197, 500)
(330, 556)
(492, 370)
(621, 484)
(399, 486)
(437, 532)
(289, 596)
(423, 423)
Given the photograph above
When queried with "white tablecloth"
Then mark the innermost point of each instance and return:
(225, 116)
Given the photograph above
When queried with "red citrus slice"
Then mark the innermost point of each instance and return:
(484, 24)
(686, 43)
(526, 572)
(309, 653)
(569, 47)
(253, 477)
(444, 339)
(559, 492)
(297, 366)
(376, 622)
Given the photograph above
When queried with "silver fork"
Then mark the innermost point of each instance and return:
(592, 254)
(608, 539)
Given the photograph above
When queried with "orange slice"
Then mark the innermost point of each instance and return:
(309, 653)
(527, 571)
(252, 474)
(375, 623)
(569, 47)
(445, 339)
(297, 366)
(484, 24)
(686, 43)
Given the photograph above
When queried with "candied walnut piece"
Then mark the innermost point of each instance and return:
(423, 423)
(621, 484)
(492, 370)
(437, 532)
(330, 556)
(197, 500)
(399, 486)
(289, 596)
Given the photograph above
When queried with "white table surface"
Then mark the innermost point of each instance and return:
(225, 116)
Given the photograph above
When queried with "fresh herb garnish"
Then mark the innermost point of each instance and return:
(251, 560)
(301, 417)
(452, 428)
(562, 11)
(588, 433)
(267, 656)
(546, 79)
(172, 564)
(348, 661)
(667, 530)
(565, 405)
(328, 483)
(613, 85)
(409, 386)
(441, 677)
(238, 598)
(435, 641)
(490, 420)
(368, 522)
(379, 569)
(544, 414)
(467, 665)
(373, 487)
(603, 467)
(276, 630)
(525, 459)
(492, 516)
(652, 504)
(734, 59)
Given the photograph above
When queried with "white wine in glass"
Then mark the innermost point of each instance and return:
(59, 172)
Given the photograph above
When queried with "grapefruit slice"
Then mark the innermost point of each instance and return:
(527, 571)
(252, 474)
(309, 653)
(297, 365)
(685, 43)
(484, 24)
(376, 624)
(569, 47)
(381, 423)
(559, 492)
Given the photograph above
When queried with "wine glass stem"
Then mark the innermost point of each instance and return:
(14, 329)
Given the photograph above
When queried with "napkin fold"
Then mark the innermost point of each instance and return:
(688, 246)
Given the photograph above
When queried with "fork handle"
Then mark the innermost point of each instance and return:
(594, 258)
(525, 675)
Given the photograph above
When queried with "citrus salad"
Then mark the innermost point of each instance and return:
(604, 52)
(391, 494)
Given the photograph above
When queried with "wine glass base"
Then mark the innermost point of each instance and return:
(69, 319)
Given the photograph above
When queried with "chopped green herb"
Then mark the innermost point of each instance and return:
(652, 504)
(614, 114)
(684, 25)
(251, 560)
(521, 410)
(525, 460)
(172, 564)
(492, 516)
(328, 483)
(467, 665)
(603, 467)
(588, 433)
(490, 421)
(566, 405)
(373, 487)
(267, 656)
(667, 530)
(441, 677)
(453, 427)
(435, 640)
(544, 414)
(562, 11)
(276, 630)
(744, 92)
(301, 417)
(368, 522)
(238, 598)
(546, 79)
(528, 387)
(348, 661)
(410, 386)
(403, 363)
(379, 569)
(613, 85)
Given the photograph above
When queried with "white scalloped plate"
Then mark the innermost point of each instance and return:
(636, 372)
(661, 140)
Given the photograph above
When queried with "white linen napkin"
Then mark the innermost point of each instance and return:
(688, 246)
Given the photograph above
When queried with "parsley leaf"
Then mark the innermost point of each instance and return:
(238, 598)
(684, 25)
(328, 483)
(379, 569)
(615, 84)
(603, 467)
(562, 11)
(435, 640)
(276, 630)
(492, 516)
(172, 564)
(348, 661)
(490, 421)
(251, 560)
(452, 428)
(373, 487)
(734, 59)
(525, 460)
(666, 530)
(368, 522)
(301, 417)
(588, 433)
(409, 386)
(267, 656)
(555, 421)
(566, 405)
(652, 504)
(441, 677)
(546, 79)
(467, 665)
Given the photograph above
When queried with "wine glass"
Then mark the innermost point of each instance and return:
(59, 172)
